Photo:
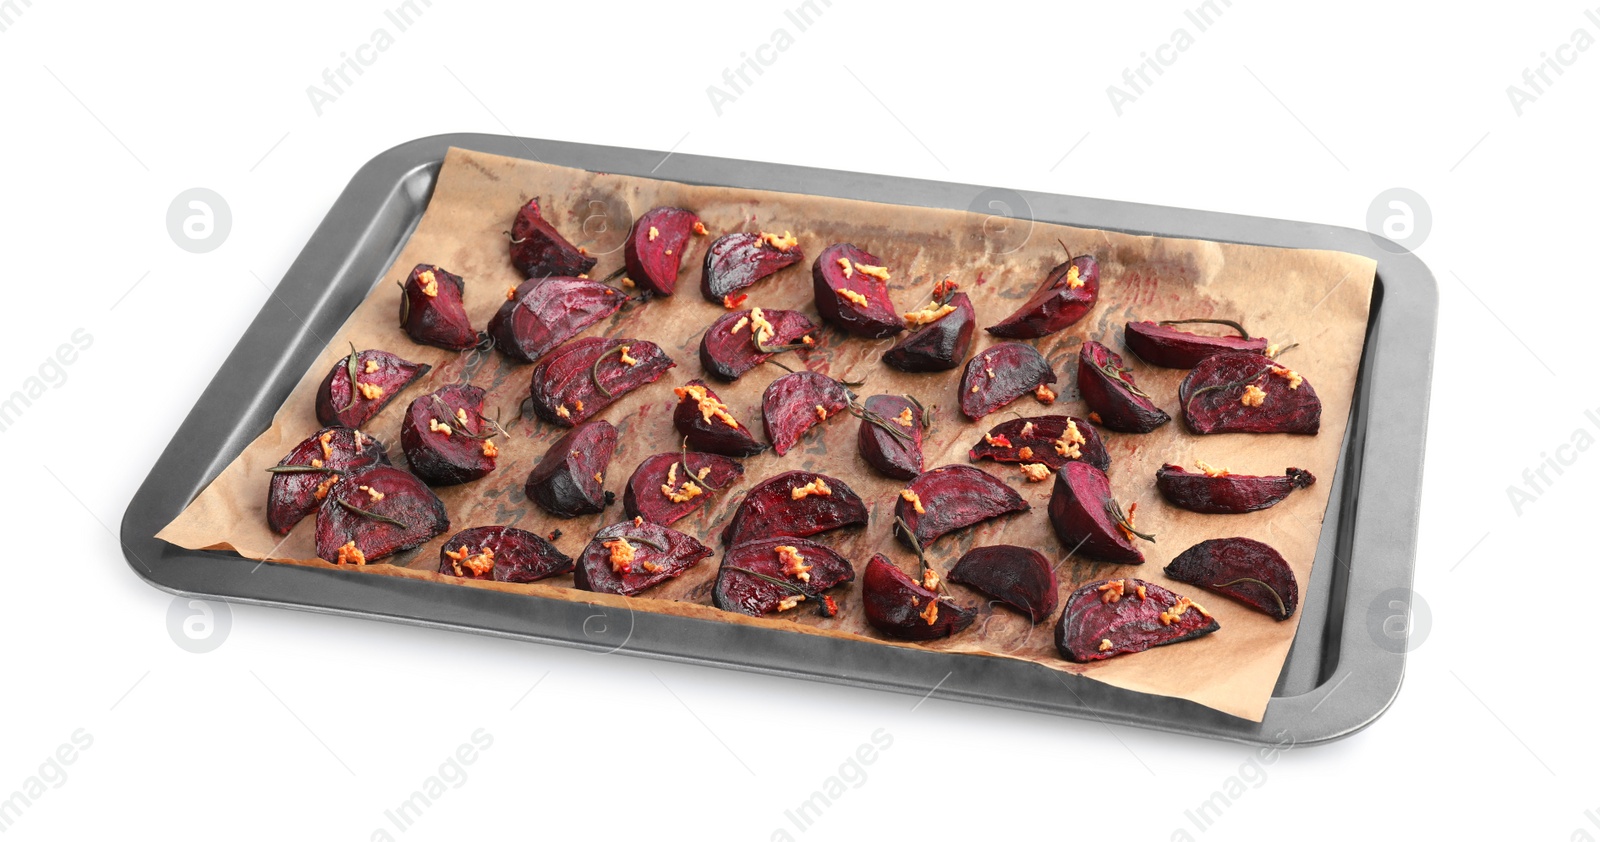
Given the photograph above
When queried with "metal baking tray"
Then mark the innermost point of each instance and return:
(1342, 672)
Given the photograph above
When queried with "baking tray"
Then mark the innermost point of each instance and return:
(1342, 672)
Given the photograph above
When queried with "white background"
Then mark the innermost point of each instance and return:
(308, 722)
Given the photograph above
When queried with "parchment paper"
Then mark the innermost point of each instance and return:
(1317, 298)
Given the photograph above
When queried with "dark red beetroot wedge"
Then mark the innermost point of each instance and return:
(852, 291)
(794, 403)
(575, 382)
(1248, 393)
(1019, 577)
(1068, 294)
(628, 557)
(544, 312)
(736, 261)
(570, 479)
(302, 478)
(1241, 569)
(377, 512)
(1108, 388)
(1157, 343)
(1088, 521)
(704, 420)
(446, 439)
(359, 386)
(1217, 492)
(538, 251)
(667, 487)
(1000, 374)
(795, 503)
(940, 338)
(901, 608)
(431, 312)
(1049, 440)
(769, 575)
(734, 343)
(654, 251)
(501, 554)
(890, 436)
(1120, 616)
(950, 498)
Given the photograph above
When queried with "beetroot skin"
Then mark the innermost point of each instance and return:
(795, 503)
(431, 312)
(748, 581)
(937, 345)
(1067, 295)
(1049, 440)
(733, 343)
(1017, 576)
(1225, 493)
(1000, 374)
(361, 384)
(635, 555)
(446, 439)
(581, 378)
(707, 424)
(736, 261)
(542, 313)
(1108, 388)
(302, 478)
(1248, 393)
(851, 288)
(1158, 343)
(794, 403)
(501, 554)
(376, 512)
(570, 479)
(1242, 569)
(901, 608)
(539, 251)
(1114, 617)
(896, 454)
(654, 250)
(659, 490)
(1084, 516)
(946, 499)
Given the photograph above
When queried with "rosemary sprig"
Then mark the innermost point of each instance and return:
(350, 371)
(922, 412)
(494, 426)
(878, 421)
(299, 469)
(1287, 347)
(1243, 334)
(1121, 376)
(1114, 509)
(825, 604)
(1223, 387)
(371, 514)
(1283, 610)
(594, 370)
(922, 559)
(683, 462)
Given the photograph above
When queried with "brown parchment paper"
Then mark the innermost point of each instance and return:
(1319, 299)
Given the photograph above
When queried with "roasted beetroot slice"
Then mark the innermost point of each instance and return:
(736, 261)
(1017, 576)
(901, 608)
(729, 347)
(950, 498)
(749, 579)
(431, 312)
(361, 384)
(544, 312)
(1114, 617)
(538, 251)
(634, 555)
(1242, 569)
(794, 403)
(377, 512)
(501, 554)
(999, 375)
(1049, 440)
(577, 381)
(704, 420)
(1158, 343)
(446, 439)
(316, 463)
(1068, 293)
(570, 479)
(1108, 388)
(798, 504)
(659, 491)
(1084, 516)
(1227, 494)
(1248, 393)
(852, 291)
(939, 345)
(654, 251)
(890, 436)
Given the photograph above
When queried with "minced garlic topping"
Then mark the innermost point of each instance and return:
(621, 554)
(708, 405)
(761, 329)
(478, 563)
(461, 415)
(740, 324)
(916, 502)
(822, 412)
(430, 284)
(1253, 396)
(669, 252)
(732, 302)
(372, 367)
(844, 264)
(789, 602)
(853, 297)
(489, 450)
(511, 293)
(793, 564)
(654, 233)
(435, 427)
(627, 360)
(930, 614)
(1045, 394)
(1142, 595)
(350, 554)
(1027, 429)
(989, 372)
(1070, 439)
(1171, 615)
(1073, 280)
(1035, 471)
(562, 411)
(930, 312)
(316, 463)
(816, 486)
(325, 440)
(930, 578)
(1105, 644)
(1290, 375)
(1111, 591)
(1210, 471)
(577, 405)
(1126, 524)
(1095, 417)
(879, 272)
(688, 492)
(905, 419)
(1272, 350)
(1024, 452)
(322, 490)
(997, 441)
(374, 493)
(784, 243)
(370, 391)
(700, 228)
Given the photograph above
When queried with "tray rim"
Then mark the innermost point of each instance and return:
(1369, 676)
